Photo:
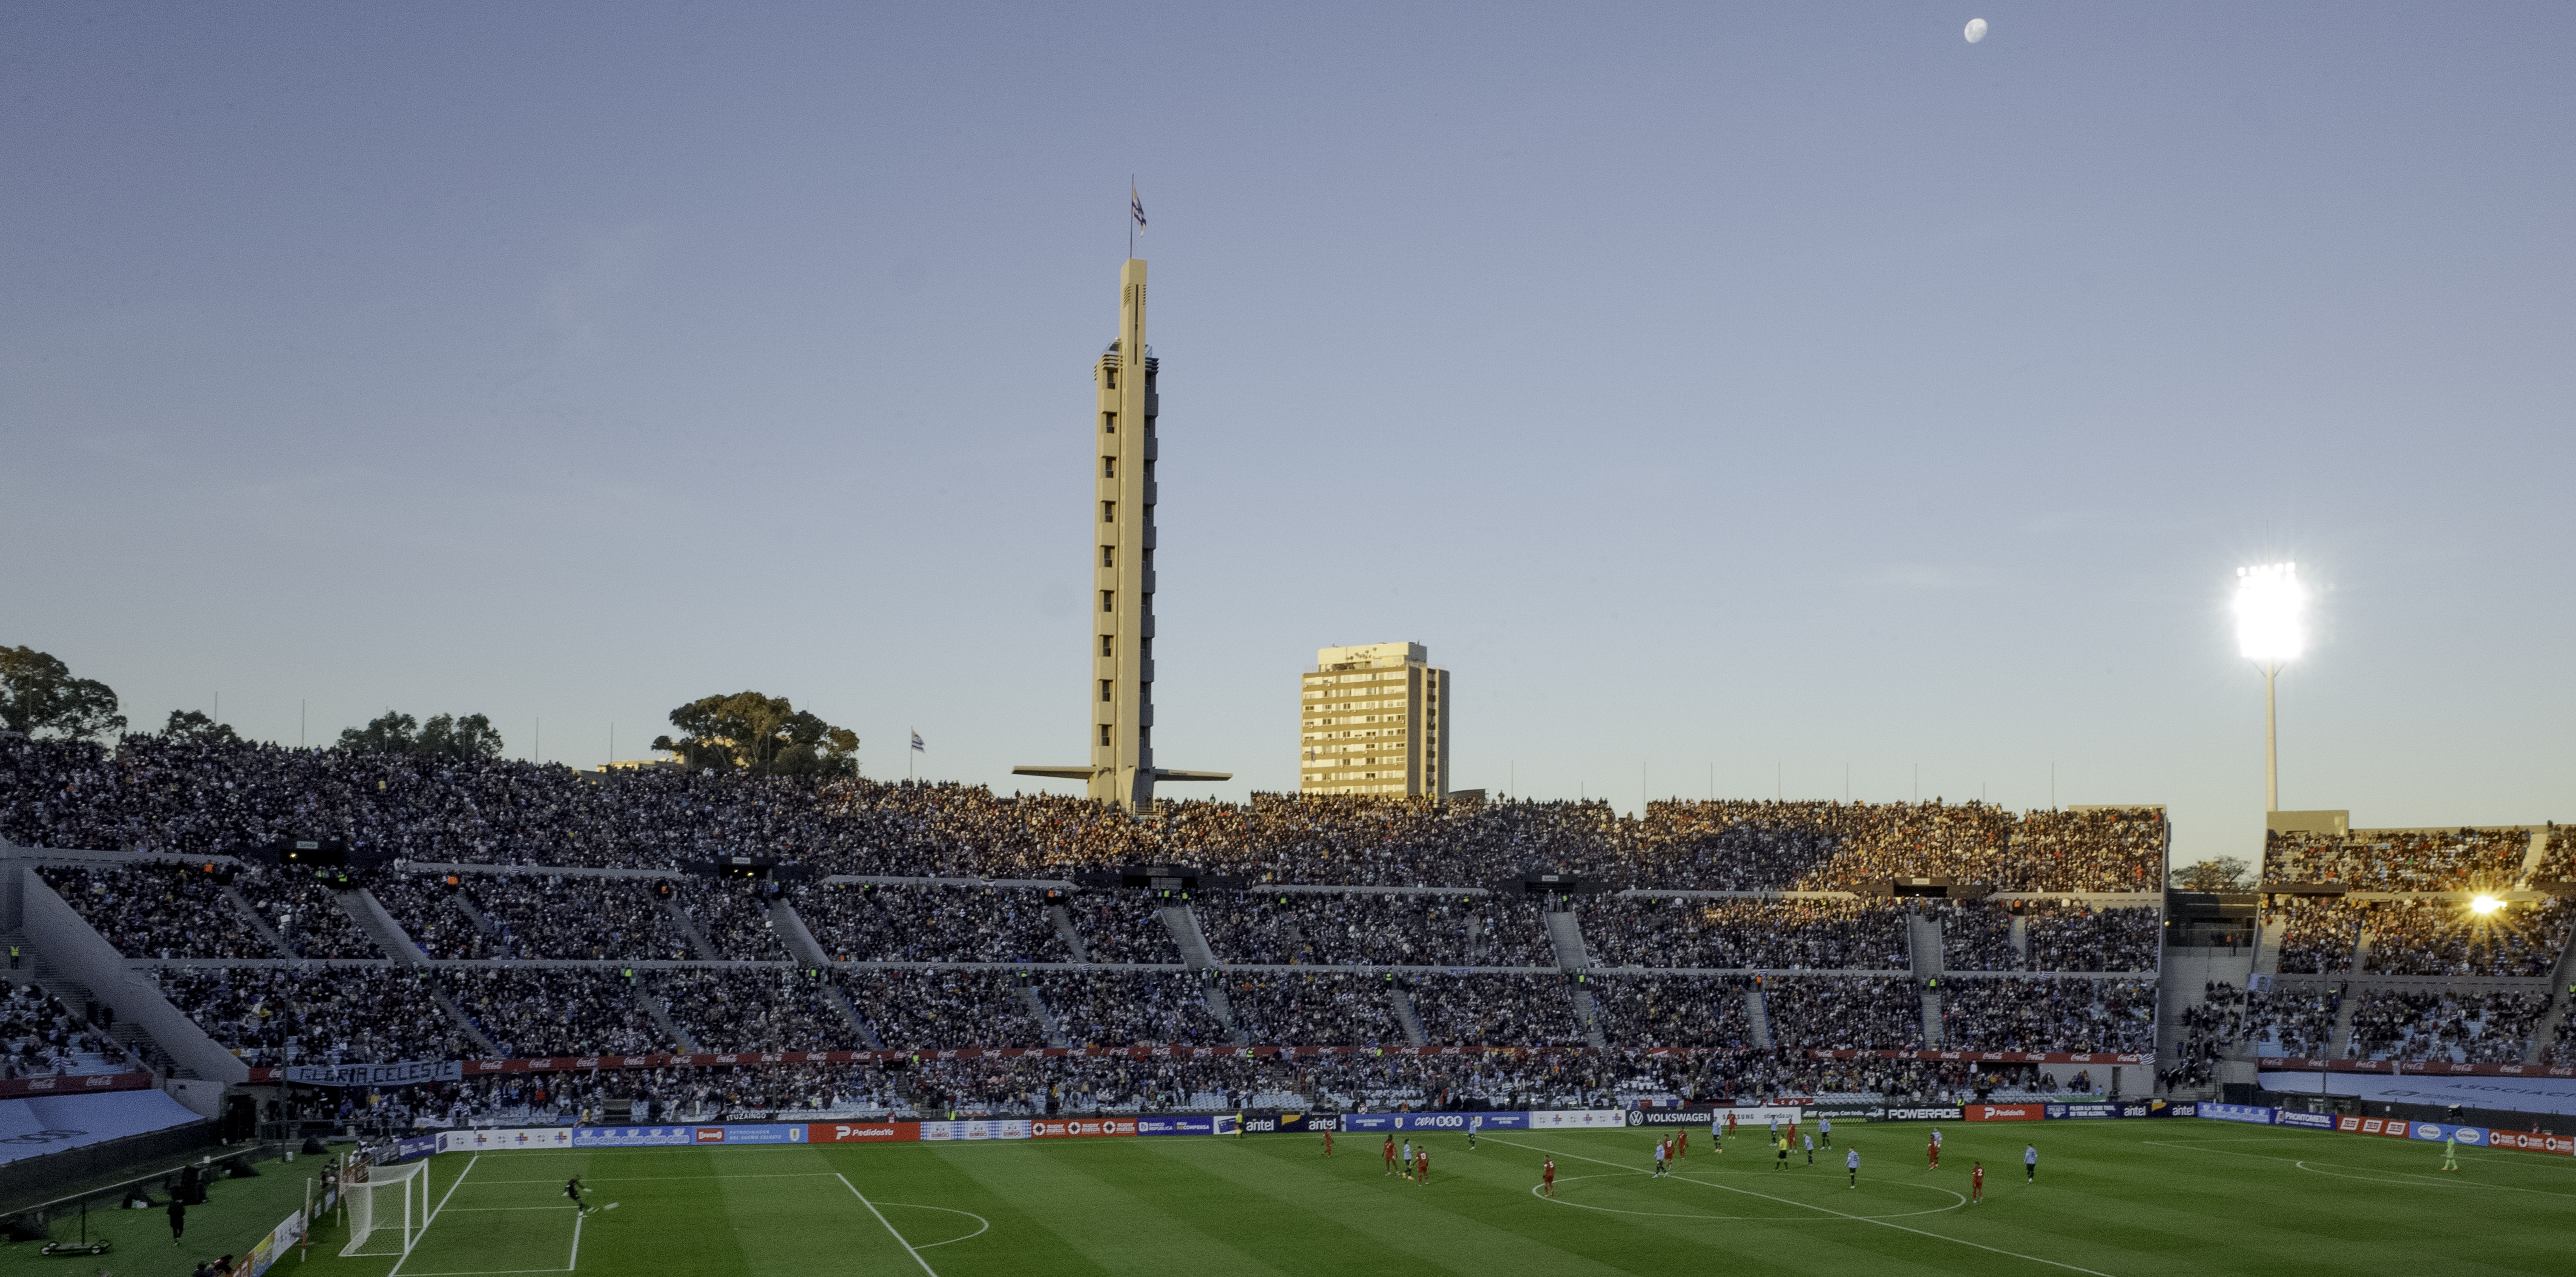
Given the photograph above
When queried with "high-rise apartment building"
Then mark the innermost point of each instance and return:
(1375, 721)
(1120, 646)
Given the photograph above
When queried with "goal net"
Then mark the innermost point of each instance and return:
(387, 1209)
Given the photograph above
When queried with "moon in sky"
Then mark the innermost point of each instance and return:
(1976, 30)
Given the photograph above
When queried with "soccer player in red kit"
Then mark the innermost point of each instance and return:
(1681, 1145)
(1932, 1150)
(1547, 1175)
(1328, 1141)
(1390, 1155)
(1977, 1182)
(1422, 1166)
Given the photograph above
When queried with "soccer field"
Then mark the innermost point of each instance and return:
(2113, 1198)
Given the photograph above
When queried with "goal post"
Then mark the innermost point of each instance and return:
(387, 1209)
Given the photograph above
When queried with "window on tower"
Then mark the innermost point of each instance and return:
(1109, 423)
(1108, 597)
(1109, 467)
(1104, 645)
(1108, 512)
(1106, 560)
(1105, 686)
(1104, 733)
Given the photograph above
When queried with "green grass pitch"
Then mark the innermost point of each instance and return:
(2113, 1198)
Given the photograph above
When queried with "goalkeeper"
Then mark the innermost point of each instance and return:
(572, 1189)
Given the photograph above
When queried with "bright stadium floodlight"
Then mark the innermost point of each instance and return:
(2484, 905)
(2270, 629)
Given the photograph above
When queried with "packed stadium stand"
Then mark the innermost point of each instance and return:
(1328, 950)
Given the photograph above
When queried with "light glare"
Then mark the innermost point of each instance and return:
(2269, 603)
(2484, 905)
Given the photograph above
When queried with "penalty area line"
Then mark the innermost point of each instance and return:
(1862, 1219)
(889, 1224)
(459, 1182)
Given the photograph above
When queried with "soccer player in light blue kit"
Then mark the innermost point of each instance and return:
(2030, 1163)
(1851, 1162)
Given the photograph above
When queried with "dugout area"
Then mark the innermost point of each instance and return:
(2114, 1198)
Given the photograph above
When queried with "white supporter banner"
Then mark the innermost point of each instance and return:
(1577, 1119)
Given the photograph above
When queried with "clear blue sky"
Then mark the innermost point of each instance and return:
(1721, 394)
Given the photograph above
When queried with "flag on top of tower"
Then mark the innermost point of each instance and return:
(916, 743)
(1135, 206)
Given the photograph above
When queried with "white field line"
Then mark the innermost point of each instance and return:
(656, 1179)
(1864, 1219)
(575, 1261)
(458, 1182)
(889, 1226)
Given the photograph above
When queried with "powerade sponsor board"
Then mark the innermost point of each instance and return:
(1924, 1113)
(2255, 1113)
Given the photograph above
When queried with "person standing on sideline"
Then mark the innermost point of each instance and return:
(1976, 1182)
(178, 1218)
(1851, 1162)
(1781, 1147)
(2451, 1151)
(2030, 1163)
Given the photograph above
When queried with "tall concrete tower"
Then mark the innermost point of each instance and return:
(1120, 647)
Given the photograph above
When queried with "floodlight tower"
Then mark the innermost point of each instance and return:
(2270, 631)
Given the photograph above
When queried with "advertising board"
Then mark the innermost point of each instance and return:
(1920, 1113)
(501, 1138)
(1057, 1128)
(1700, 1115)
(2255, 1113)
(1576, 1119)
(861, 1132)
(980, 1129)
(2310, 1121)
(2010, 1112)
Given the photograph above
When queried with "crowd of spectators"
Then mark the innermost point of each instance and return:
(1131, 1008)
(2055, 935)
(872, 922)
(1316, 1008)
(936, 1008)
(2209, 1034)
(159, 910)
(1688, 1011)
(733, 916)
(1480, 1010)
(2399, 1024)
(1815, 933)
(1819, 1013)
(544, 1011)
(764, 1009)
(2398, 859)
(201, 797)
(1276, 928)
(2292, 1020)
(40, 1036)
(278, 1015)
(2448, 937)
(2048, 1015)
(1124, 927)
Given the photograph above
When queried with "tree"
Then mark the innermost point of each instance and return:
(192, 726)
(763, 735)
(388, 733)
(2225, 873)
(448, 736)
(39, 696)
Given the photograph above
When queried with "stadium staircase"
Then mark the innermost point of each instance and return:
(1565, 932)
(77, 964)
(233, 896)
(658, 1011)
(464, 1023)
(1072, 938)
(2019, 937)
(1405, 1017)
(2546, 1032)
(378, 923)
(790, 926)
(1757, 1016)
(2535, 858)
(1037, 1008)
(1923, 948)
(688, 926)
(840, 1002)
(1201, 960)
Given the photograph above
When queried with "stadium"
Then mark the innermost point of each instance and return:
(998, 1003)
